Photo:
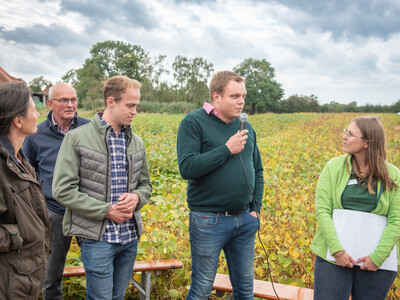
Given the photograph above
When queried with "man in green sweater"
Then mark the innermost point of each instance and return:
(225, 187)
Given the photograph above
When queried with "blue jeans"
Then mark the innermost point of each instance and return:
(59, 244)
(108, 268)
(336, 283)
(209, 234)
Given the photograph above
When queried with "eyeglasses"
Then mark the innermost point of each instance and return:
(349, 134)
(66, 100)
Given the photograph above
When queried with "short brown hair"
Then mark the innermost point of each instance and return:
(220, 80)
(117, 85)
(14, 102)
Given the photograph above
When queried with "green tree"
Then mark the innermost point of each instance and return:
(119, 58)
(395, 107)
(191, 76)
(39, 84)
(351, 107)
(71, 77)
(152, 85)
(264, 93)
(336, 107)
(296, 103)
(111, 58)
(89, 85)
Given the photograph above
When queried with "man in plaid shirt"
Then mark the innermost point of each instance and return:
(102, 179)
(118, 232)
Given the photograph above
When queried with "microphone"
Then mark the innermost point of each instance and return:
(243, 120)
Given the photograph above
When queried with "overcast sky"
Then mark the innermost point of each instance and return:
(338, 50)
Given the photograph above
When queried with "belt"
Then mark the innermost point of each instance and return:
(229, 213)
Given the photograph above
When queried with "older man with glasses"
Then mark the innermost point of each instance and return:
(42, 149)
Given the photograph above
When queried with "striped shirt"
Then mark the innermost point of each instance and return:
(210, 109)
(125, 232)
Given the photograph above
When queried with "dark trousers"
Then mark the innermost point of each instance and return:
(59, 244)
(336, 283)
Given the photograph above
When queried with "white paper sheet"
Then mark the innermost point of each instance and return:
(359, 234)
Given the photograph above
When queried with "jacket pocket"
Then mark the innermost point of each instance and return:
(23, 194)
(82, 227)
(26, 277)
(20, 186)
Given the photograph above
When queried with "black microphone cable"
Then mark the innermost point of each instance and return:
(259, 225)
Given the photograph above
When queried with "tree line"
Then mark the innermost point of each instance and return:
(185, 87)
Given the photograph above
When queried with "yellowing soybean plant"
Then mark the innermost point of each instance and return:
(294, 149)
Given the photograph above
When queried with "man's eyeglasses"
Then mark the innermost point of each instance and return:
(66, 100)
(349, 134)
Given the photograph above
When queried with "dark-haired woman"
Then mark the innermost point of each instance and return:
(24, 225)
(360, 181)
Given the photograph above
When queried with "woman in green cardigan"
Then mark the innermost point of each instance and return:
(359, 181)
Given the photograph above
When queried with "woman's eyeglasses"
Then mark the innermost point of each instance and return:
(349, 134)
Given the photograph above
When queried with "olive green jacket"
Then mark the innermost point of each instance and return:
(24, 228)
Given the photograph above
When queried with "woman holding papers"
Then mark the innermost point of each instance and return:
(358, 211)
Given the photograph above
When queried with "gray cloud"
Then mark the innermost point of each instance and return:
(343, 18)
(336, 49)
(29, 61)
(346, 18)
(52, 35)
(123, 12)
(195, 1)
(225, 45)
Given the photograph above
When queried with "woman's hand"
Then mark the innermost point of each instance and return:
(368, 264)
(343, 259)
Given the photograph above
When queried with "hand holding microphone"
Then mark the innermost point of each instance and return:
(237, 141)
(243, 119)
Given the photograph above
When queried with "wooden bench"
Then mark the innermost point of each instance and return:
(263, 289)
(145, 267)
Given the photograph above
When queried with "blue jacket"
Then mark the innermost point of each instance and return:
(41, 149)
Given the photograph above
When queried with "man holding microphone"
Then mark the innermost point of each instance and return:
(225, 187)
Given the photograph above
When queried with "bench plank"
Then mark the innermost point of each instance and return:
(74, 271)
(157, 265)
(140, 266)
(145, 267)
(263, 289)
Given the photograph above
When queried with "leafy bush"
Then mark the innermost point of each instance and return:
(169, 108)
